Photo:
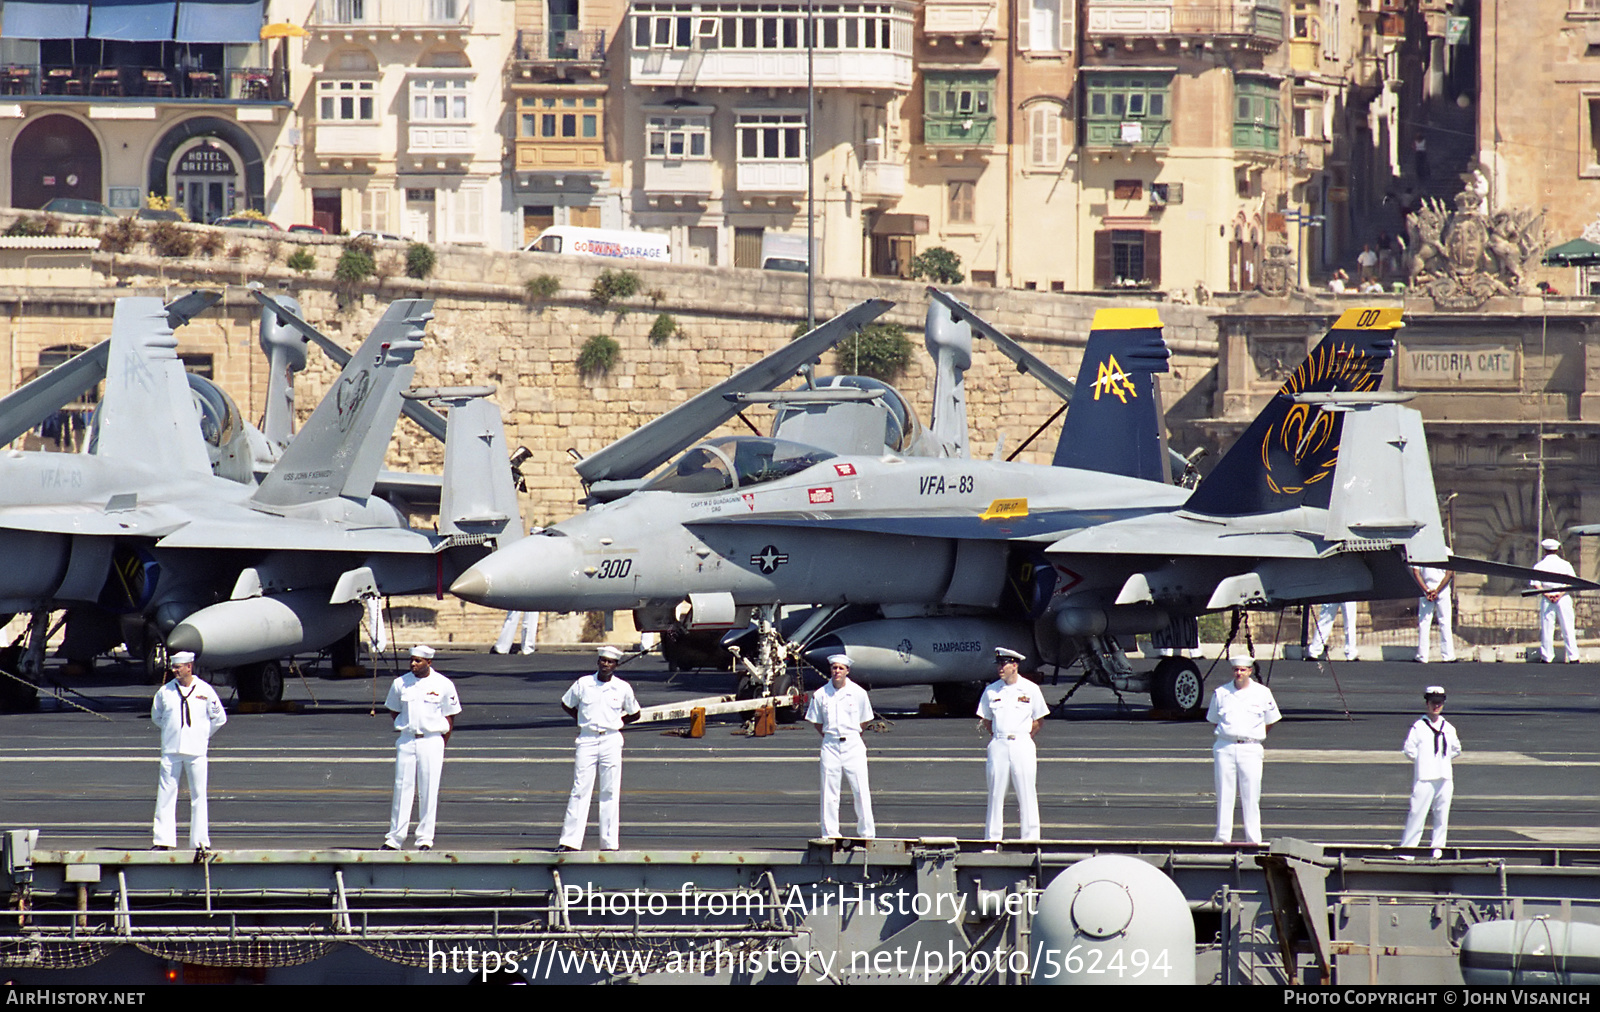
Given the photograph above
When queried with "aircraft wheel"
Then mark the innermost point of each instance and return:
(15, 696)
(960, 699)
(789, 714)
(155, 656)
(260, 683)
(1178, 685)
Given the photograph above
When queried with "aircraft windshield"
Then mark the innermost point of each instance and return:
(900, 424)
(735, 462)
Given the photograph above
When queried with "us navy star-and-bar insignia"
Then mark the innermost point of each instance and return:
(1111, 378)
(769, 559)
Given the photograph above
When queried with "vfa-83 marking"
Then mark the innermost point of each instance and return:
(938, 484)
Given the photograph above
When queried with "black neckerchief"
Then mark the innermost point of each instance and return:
(183, 702)
(1438, 734)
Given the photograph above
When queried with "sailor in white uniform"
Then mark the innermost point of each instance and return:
(839, 711)
(1243, 710)
(1012, 708)
(1554, 603)
(601, 703)
(425, 705)
(1322, 632)
(188, 712)
(1430, 745)
(1435, 599)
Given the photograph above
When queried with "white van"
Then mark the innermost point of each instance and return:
(601, 242)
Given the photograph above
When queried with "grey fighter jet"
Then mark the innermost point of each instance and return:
(141, 529)
(1328, 496)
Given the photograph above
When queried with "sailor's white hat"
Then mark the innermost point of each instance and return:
(183, 657)
(608, 653)
(1241, 660)
(1006, 653)
(423, 651)
(841, 659)
(1550, 544)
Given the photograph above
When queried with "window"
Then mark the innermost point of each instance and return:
(1255, 116)
(772, 136)
(678, 136)
(958, 108)
(1589, 152)
(347, 101)
(560, 118)
(1127, 258)
(1044, 135)
(1045, 26)
(961, 193)
(745, 26)
(439, 99)
(1126, 109)
(1128, 189)
(1308, 117)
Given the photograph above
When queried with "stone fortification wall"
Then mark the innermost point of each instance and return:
(487, 330)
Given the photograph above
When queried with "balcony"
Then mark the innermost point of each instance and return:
(960, 21)
(543, 156)
(1127, 134)
(764, 45)
(144, 84)
(680, 177)
(883, 181)
(349, 140)
(538, 55)
(1253, 26)
(779, 177)
(335, 16)
(441, 140)
(959, 131)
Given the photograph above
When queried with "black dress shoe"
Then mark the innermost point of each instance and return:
(160, 847)
(387, 847)
(426, 846)
(562, 848)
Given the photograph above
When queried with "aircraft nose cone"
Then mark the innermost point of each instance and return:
(185, 637)
(471, 586)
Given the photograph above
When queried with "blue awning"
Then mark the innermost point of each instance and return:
(42, 19)
(132, 20)
(219, 21)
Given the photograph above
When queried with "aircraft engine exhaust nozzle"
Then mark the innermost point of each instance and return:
(263, 628)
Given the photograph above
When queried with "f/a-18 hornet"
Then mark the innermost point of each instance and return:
(144, 529)
(1327, 496)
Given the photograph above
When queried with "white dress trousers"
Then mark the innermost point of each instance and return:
(165, 830)
(600, 753)
(1426, 795)
(1236, 767)
(1013, 759)
(1426, 610)
(418, 766)
(845, 756)
(1322, 632)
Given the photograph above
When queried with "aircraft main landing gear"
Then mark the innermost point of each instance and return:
(260, 683)
(1177, 685)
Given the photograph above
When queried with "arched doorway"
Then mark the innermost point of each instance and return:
(226, 136)
(206, 179)
(54, 156)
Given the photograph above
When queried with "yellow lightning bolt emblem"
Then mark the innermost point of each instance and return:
(1111, 379)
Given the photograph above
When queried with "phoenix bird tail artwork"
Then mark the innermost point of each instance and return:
(1115, 423)
(1287, 456)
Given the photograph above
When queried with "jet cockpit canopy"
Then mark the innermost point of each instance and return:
(836, 425)
(734, 462)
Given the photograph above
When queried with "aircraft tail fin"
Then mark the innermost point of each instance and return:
(148, 413)
(479, 497)
(1115, 422)
(340, 450)
(949, 341)
(1286, 457)
(1382, 488)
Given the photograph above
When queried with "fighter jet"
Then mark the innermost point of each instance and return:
(141, 529)
(1327, 496)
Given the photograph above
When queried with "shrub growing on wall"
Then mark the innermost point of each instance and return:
(938, 265)
(420, 260)
(542, 288)
(121, 235)
(664, 329)
(612, 286)
(301, 260)
(168, 240)
(597, 356)
(879, 350)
